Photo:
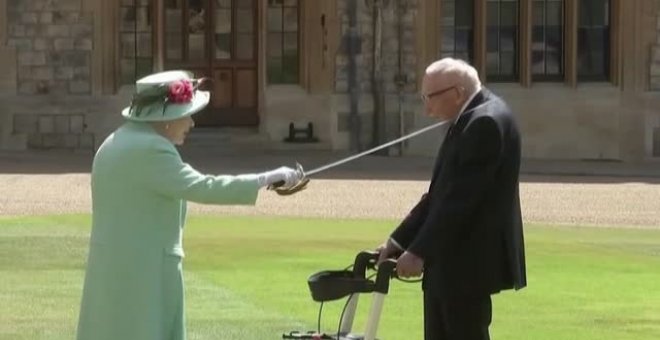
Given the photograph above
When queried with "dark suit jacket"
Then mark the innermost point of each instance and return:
(468, 226)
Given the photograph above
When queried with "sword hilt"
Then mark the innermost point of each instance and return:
(301, 185)
(275, 185)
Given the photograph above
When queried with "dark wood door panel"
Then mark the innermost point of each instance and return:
(246, 85)
(223, 87)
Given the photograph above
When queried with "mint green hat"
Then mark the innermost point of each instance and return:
(166, 96)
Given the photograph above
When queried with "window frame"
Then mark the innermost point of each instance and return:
(151, 7)
(306, 30)
(500, 78)
(608, 56)
(300, 48)
(549, 78)
(454, 51)
(569, 53)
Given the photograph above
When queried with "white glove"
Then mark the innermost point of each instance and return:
(289, 176)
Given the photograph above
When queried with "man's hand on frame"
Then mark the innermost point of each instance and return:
(409, 265)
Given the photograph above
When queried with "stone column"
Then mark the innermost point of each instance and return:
(396, 72)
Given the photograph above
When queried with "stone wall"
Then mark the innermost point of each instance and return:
(397, 71)
(52, 41)
(63, 131)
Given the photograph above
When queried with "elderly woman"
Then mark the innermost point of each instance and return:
(134, 285)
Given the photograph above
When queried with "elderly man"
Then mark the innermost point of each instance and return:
(466, 232)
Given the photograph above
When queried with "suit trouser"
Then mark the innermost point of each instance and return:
(456, 318)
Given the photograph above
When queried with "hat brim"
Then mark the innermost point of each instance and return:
(173, 111)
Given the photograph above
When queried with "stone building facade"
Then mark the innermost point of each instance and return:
(46, 52)
(352, 68)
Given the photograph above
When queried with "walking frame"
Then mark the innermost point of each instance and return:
(330, 285)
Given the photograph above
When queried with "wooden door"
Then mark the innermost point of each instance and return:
(217, 39)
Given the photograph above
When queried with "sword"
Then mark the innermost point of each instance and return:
(306, 174)
(372, 150)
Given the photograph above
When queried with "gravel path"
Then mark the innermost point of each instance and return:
(602, 201)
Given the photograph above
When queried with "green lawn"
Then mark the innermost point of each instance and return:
(246, 279)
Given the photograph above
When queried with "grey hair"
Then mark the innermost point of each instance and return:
(467, 75)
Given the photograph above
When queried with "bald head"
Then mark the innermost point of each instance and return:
(447, 86)
(454, 71)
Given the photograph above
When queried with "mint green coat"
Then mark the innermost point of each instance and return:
(133, 284)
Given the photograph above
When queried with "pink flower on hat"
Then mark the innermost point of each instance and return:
(180, 92)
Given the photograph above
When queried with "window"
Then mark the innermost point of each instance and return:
(502, 40)
(135, 37)
(457, 27)
(173, 30)
(532, 40)
(186, 27)
(200, 31)
(594, 40)
(283, 62)
(548, 40)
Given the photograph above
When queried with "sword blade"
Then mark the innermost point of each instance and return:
(372, 150)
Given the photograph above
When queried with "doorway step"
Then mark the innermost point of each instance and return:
(225, 140)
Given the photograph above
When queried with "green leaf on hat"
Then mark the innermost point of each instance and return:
(150, 96)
